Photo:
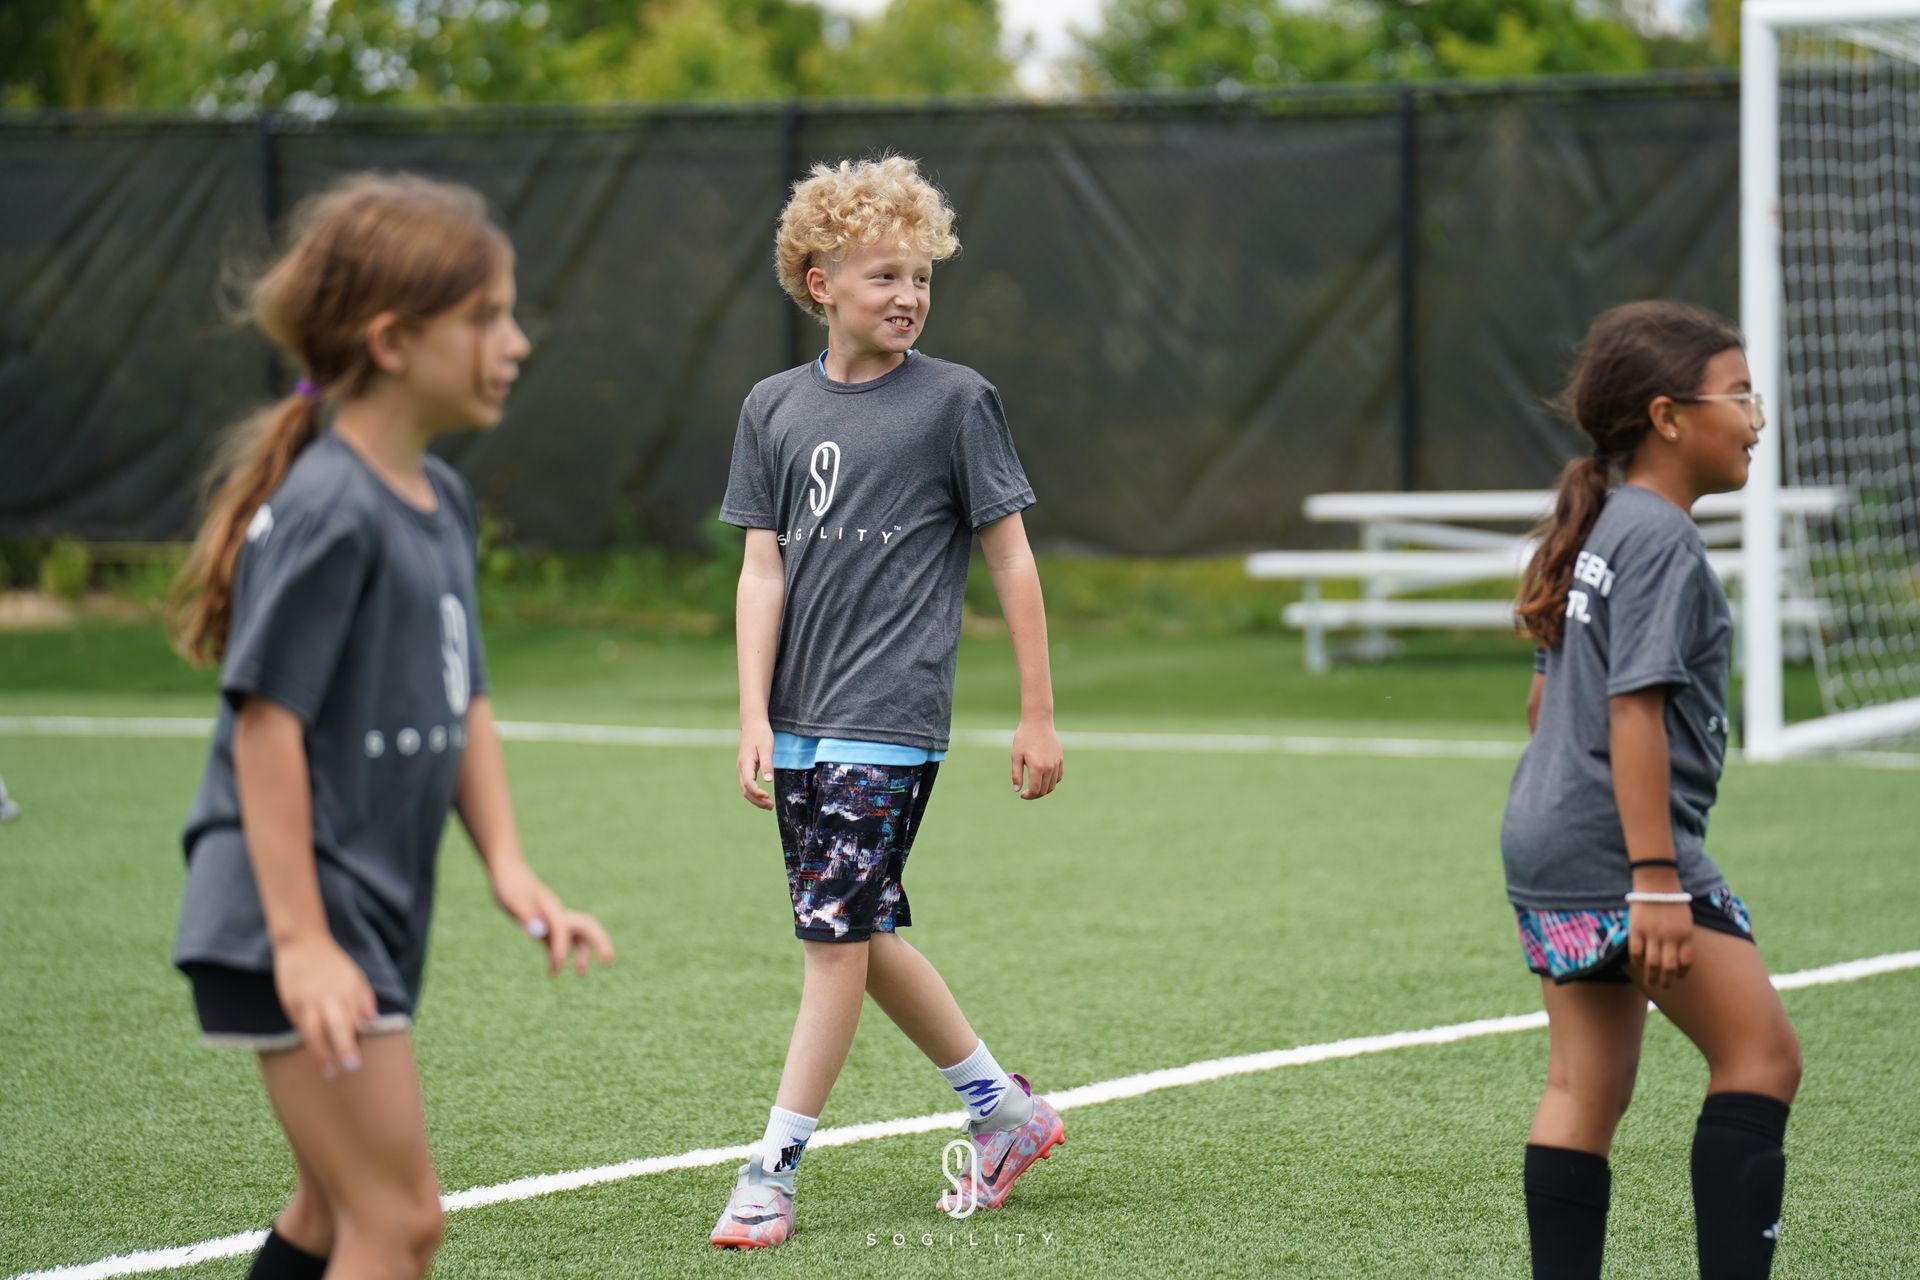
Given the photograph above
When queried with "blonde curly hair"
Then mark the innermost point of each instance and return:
(837, 208)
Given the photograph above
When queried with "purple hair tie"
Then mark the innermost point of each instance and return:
(306, 390)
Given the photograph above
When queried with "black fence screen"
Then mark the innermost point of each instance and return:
(1197, 312)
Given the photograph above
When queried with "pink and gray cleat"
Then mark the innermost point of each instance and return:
(1005, 1154)
(759, 1213)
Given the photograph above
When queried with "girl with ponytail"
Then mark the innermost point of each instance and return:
(333, 580)
(1604, 835)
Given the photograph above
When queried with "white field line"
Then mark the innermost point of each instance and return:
(614, 735)
(1084, 1096)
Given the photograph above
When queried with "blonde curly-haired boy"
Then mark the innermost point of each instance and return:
(861, 478)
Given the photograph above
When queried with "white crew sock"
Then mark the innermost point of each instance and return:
(992, 1099)
(785, 1140)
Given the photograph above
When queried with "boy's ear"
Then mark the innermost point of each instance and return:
(820, 285)
(384, 345)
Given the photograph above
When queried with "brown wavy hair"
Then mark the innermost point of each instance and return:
(1632, 355)
(371, 244)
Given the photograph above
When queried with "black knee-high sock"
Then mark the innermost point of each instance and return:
(1567, 1195)
(279, 1260)
(1739, 1176)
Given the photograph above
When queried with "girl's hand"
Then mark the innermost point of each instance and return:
(1660, 941)
(756, 759)
(327, 999)
(1036, 754)
(539, 911)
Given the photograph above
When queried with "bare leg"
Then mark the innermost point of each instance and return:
(1593, 1053)
(362, 1137)
(1594, 1031)
(836, 980)
(910, 991)
(307, 1221)
(1726, 1006)
(1730, 1011)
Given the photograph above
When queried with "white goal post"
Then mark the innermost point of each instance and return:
(1830, 303)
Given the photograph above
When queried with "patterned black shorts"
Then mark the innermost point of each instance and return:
(846, 830)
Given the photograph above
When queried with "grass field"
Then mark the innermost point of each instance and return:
(1167, 906)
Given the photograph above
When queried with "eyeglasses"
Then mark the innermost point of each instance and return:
(1756, 406)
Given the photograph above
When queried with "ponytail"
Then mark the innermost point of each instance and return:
(255, 459)
(1540, 607)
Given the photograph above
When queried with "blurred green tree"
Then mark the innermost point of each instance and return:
(1182, 44)
(1164, 44)
(315, 56)
(673, 51)
(916, 48)
(218, 55)
(1499, 39)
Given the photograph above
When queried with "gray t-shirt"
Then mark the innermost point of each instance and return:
(875, 490)
(354, 611)
(1645, 610)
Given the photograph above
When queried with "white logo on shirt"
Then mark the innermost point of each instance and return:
(1593, 571)
(823, 477)
(453, 652)
(261, 525)
(820, 493)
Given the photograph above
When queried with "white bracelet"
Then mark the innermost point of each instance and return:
(1678, 899)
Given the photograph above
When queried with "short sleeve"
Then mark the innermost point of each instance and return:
(988, 482)
(749, 501)
(1653, 614)
(477, 660)
(1539, 662)
(297, 585)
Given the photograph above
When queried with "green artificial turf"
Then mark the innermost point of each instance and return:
(1165, 907)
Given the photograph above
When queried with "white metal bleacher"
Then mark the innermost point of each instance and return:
(1419, 541)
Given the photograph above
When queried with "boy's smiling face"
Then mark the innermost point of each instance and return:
(876, 298)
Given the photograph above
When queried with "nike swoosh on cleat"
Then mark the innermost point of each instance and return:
(754, 1222)
(994, 1177)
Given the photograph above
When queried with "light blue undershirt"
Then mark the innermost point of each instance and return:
(821, 362)
(792, 751)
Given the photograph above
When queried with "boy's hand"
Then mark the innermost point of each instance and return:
(547, 920)
(755, 765)
(1037, 766)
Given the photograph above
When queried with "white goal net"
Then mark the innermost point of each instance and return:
(1831, 305)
